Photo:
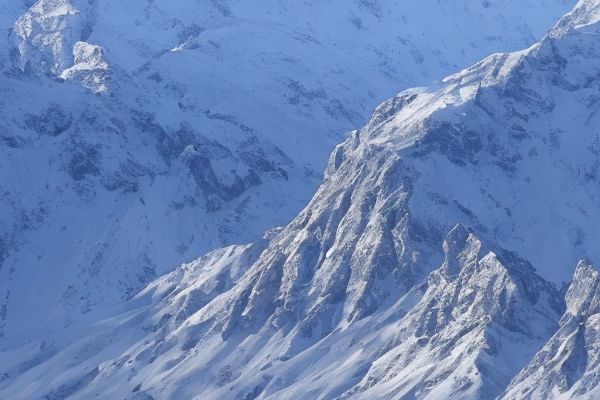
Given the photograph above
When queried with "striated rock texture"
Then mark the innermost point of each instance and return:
(568, 365)
(481, 317)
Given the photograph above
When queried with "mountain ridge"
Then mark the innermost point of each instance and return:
(377, 288)
(139, 135)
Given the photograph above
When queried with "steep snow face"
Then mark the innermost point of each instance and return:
(454, 335)
(161, 307)
(140, 134)
(567, 367)
(480, 319)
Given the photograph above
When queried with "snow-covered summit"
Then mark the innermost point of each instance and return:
(89, 66)
(567, 367)
(509, 145)
(481, 318)
(585, 14)
(44, 37)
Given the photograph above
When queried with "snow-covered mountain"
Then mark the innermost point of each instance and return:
(567, 366)
(446, 338)
(429, 263)
(136, 135)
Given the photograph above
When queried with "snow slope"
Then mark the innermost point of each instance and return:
(136, 135)
(377, 289)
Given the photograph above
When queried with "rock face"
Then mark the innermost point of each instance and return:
(455, 335)
(480, 319)
(567, 366)
(136, 135)
(46, 34)
(426, 265)
(89, 67)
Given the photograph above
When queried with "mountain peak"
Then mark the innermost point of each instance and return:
(462, 326)
(585, 15)
(45, 35)
(567, 365)
(583, 296)
(461, 248)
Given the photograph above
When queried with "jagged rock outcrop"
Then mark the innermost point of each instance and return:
(481, 317)
(455, 335)
(45, 36)
(568, 366)
(89, 67)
